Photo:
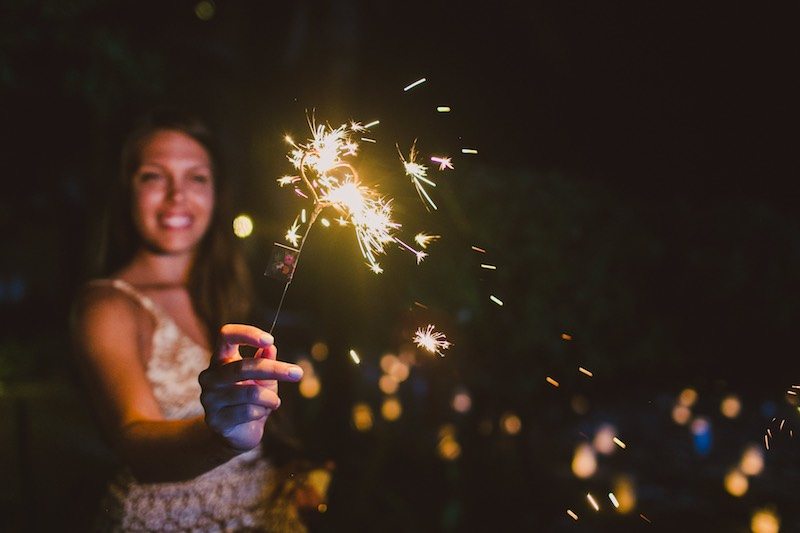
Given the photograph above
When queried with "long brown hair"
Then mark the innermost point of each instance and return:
(219, 281)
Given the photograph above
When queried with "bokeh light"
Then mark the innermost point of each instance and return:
(319, 351)
(687, 397)
(362, 417)
(730, 406)
(603, 440)
(391, 409)
(388, 384)
(462, 402)
(584, 462)
(310, 386)
(752, 462)
(765, 521)
(736, 483)
(205, 10)
(625, 492)
(510, 423)
(242, 226)
(681, 415)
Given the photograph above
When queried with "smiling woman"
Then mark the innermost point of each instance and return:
(184, 410)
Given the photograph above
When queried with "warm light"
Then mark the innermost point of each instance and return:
(319, 351)
(242, 226)
(391, 409)
(584, 371)
(572, 514)
(584, 463)
(387, 362)
(687, 397)
(204, 10)
(681, 415)
(625, 493)
(449, 449)
(309, 386)
(399, 371)
(593, 502)
(325, 222)
(566, 336)
(443, 109)
(613, 499)
(388, 384)
(510, 423)
(619, 443)
(362, 417)
(752, 462)
(736, 483)
(603, 440)
(322, 508)
(551, 381)
(354, 356)
(461, 401)
(765, 521)
(730, 406)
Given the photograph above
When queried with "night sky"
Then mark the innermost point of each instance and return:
(635, 184)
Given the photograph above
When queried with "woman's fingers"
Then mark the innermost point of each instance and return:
(231, 336)
(226, 419)
(260, 368)
(217, 399)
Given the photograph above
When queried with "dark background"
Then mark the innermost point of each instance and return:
(634, 185)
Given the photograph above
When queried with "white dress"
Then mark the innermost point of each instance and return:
(235, 496)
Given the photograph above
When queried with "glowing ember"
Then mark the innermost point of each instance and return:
(619, 443)
(424, 240)
(584, 371)
(444, 162)
(412, 85)
(592, 501)
(354, 356)
(418, 174)
(430, 340)
(572, 514)
(551, 381)
(477, 249)
(496, 300)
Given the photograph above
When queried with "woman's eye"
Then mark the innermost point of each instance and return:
(201, 178)
(149, 176)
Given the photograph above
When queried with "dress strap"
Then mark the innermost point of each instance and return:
(130, 290)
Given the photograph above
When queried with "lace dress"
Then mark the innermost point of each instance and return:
(235, 496)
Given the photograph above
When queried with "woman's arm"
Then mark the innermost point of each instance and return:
(106, 332)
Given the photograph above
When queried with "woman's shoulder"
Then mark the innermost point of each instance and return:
(103, 301)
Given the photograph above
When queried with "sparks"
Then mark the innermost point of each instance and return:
(619, 443)
(613, 499)
(287, 180)
(572, 514)
(292, 236)
(551, 381)
(592, 501)
(566, 336)
(496, 300)
(488, 267)
(368, 140)
(443, 109)
(373, 123)
(430, 340)
(469, 151)
(354, 356)
(424, 240)
(444, 162)
(411, 86)
(477, 249)
(584, 371)
(418, 174)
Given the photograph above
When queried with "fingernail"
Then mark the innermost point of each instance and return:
(267, 339)
(295, 372)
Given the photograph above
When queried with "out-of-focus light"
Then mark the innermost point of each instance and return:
(408, 356)
(362, 417)
(584, 462)
(765, 521)
(687, 397)
(566, 336)
(449, 449)
(391, 409)
(701, 431)
(752, 462)
(399, 371)
(461, 401)
(736, 483)
(388, 384)
(580, 404)
(309, 386)
(322, 508)
(730, 406)
(319, 351)
(242, 226)
(387, 362)
(510, 423)
(681, 415)
(603, 440)
(625, 493)
(204, 10)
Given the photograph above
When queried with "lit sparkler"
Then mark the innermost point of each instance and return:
(418, 174)
(444, 162)
(430, 340)
(424, 239)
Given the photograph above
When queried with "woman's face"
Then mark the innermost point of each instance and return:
(173, 193)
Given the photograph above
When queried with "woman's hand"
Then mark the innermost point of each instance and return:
(239, 394)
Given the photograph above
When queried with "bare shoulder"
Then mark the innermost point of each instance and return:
(101, 311)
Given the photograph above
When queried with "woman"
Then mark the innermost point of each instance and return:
(188, 430)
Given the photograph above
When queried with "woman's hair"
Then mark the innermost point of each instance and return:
(219, 281)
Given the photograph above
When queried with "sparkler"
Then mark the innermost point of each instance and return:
(430, 340)
(327, 177)
(418, 174)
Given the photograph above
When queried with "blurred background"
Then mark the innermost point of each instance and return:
(627, 365)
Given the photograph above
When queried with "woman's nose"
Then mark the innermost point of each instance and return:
(175, 191)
